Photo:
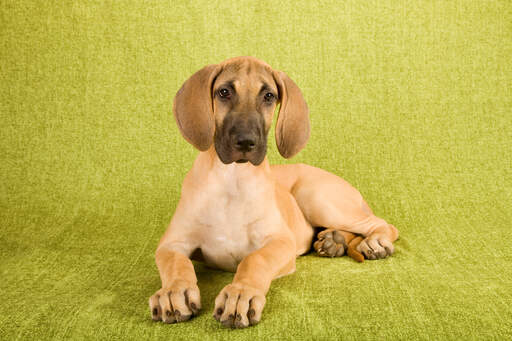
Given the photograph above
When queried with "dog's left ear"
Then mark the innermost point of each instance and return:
(193, 107)
(292, 129)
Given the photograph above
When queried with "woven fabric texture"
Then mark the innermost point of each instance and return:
(410, 101)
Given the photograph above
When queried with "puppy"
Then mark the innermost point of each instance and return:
(236, 212)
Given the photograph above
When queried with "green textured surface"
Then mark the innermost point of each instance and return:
(410, 102)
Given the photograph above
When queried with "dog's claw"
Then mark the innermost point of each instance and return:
(177, 303)
(247, 310)
(376, 246)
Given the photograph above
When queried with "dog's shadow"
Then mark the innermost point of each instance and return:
(210, 282)
(128, 299)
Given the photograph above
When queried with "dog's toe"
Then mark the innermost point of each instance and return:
(330, 243)
(239, 306)
(376, 247)
(177, 303)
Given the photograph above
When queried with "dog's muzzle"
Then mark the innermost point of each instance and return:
(241, 138)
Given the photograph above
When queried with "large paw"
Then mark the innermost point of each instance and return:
(330, 243)
(239, 306)
(376, 246)
(177, 303)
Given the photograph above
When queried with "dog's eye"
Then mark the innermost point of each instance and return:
(224, 93)
(269, 96)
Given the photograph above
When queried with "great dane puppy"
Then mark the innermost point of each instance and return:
(236, 212)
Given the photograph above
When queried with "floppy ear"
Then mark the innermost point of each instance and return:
(193, 108)
(292, 129)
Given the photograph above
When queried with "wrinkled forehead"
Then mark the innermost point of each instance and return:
(246, 74)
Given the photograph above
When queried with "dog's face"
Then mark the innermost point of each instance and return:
(244, 100)
(232, 104)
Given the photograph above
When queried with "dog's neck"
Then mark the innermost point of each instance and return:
(234, 171)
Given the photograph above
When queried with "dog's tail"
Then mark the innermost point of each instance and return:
(352, 249)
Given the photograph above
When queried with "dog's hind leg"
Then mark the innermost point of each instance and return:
(328, 201)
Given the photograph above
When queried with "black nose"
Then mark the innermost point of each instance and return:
(245, 143)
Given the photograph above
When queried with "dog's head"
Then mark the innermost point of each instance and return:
(232, 105)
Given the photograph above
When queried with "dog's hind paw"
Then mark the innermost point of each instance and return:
(330, 243)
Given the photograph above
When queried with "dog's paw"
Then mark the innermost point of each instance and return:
(239, 306)
(376, 246)
(177, 303)
(330, 243)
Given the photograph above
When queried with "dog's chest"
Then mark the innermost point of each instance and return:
(233, 223)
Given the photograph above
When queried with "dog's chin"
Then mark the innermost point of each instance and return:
(254, 158)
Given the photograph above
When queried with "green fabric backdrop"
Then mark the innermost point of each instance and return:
(410, 102)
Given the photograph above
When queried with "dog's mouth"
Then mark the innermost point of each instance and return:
(228, 154)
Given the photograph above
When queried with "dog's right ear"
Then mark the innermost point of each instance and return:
(193, 107)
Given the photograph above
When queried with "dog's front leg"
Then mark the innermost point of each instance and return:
(241, 303)
(178, 299)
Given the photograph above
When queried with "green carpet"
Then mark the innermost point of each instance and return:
(410, 101)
